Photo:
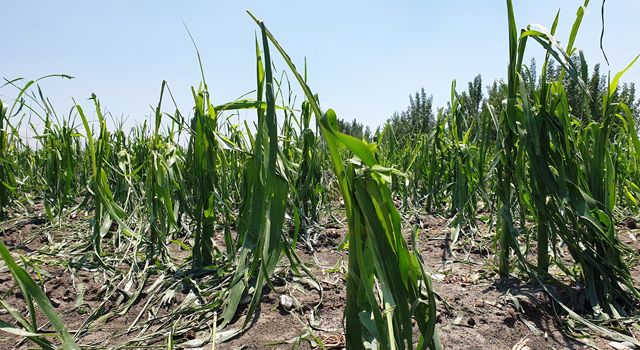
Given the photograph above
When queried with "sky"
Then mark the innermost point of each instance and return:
(364, 57)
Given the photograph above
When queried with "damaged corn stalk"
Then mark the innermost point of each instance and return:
(163, 181)
(570, 177)
(387, 287)
(7, 177)
(260, 227)
(106, 209)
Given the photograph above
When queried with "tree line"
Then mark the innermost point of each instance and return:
(420, 115)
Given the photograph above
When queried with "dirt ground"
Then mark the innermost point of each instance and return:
(477, 310)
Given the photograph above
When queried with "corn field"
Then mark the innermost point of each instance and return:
(192, 219)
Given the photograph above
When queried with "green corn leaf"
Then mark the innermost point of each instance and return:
(39, 298)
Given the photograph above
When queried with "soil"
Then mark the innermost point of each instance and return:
(477, 309)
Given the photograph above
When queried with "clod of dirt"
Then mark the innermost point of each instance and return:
(286, 302)
(55, 302)
(510, 321)
(190, 334)
(471, 322)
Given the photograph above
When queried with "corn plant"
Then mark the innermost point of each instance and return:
(7, 182)
(508, 128)
(62, 149)
(106, 210)
(375, 236)
(435, 169)
(121, 175)
(308, 190)
(627, 162)
(202, 155)
(568, 172)
(163, 179)
(463, 196)
(262, 217)
(381, 267)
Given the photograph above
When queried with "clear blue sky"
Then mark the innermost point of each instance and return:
(364, 57)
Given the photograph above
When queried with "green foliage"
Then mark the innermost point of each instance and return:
(33, 295)
(63, 156)
(202, 155)
(105, 207)
(547, 159)
(163, 185)
(355, 129)
(378, 255)
(417, 119)
(7, 177)
(262, 217)
(565, 174)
